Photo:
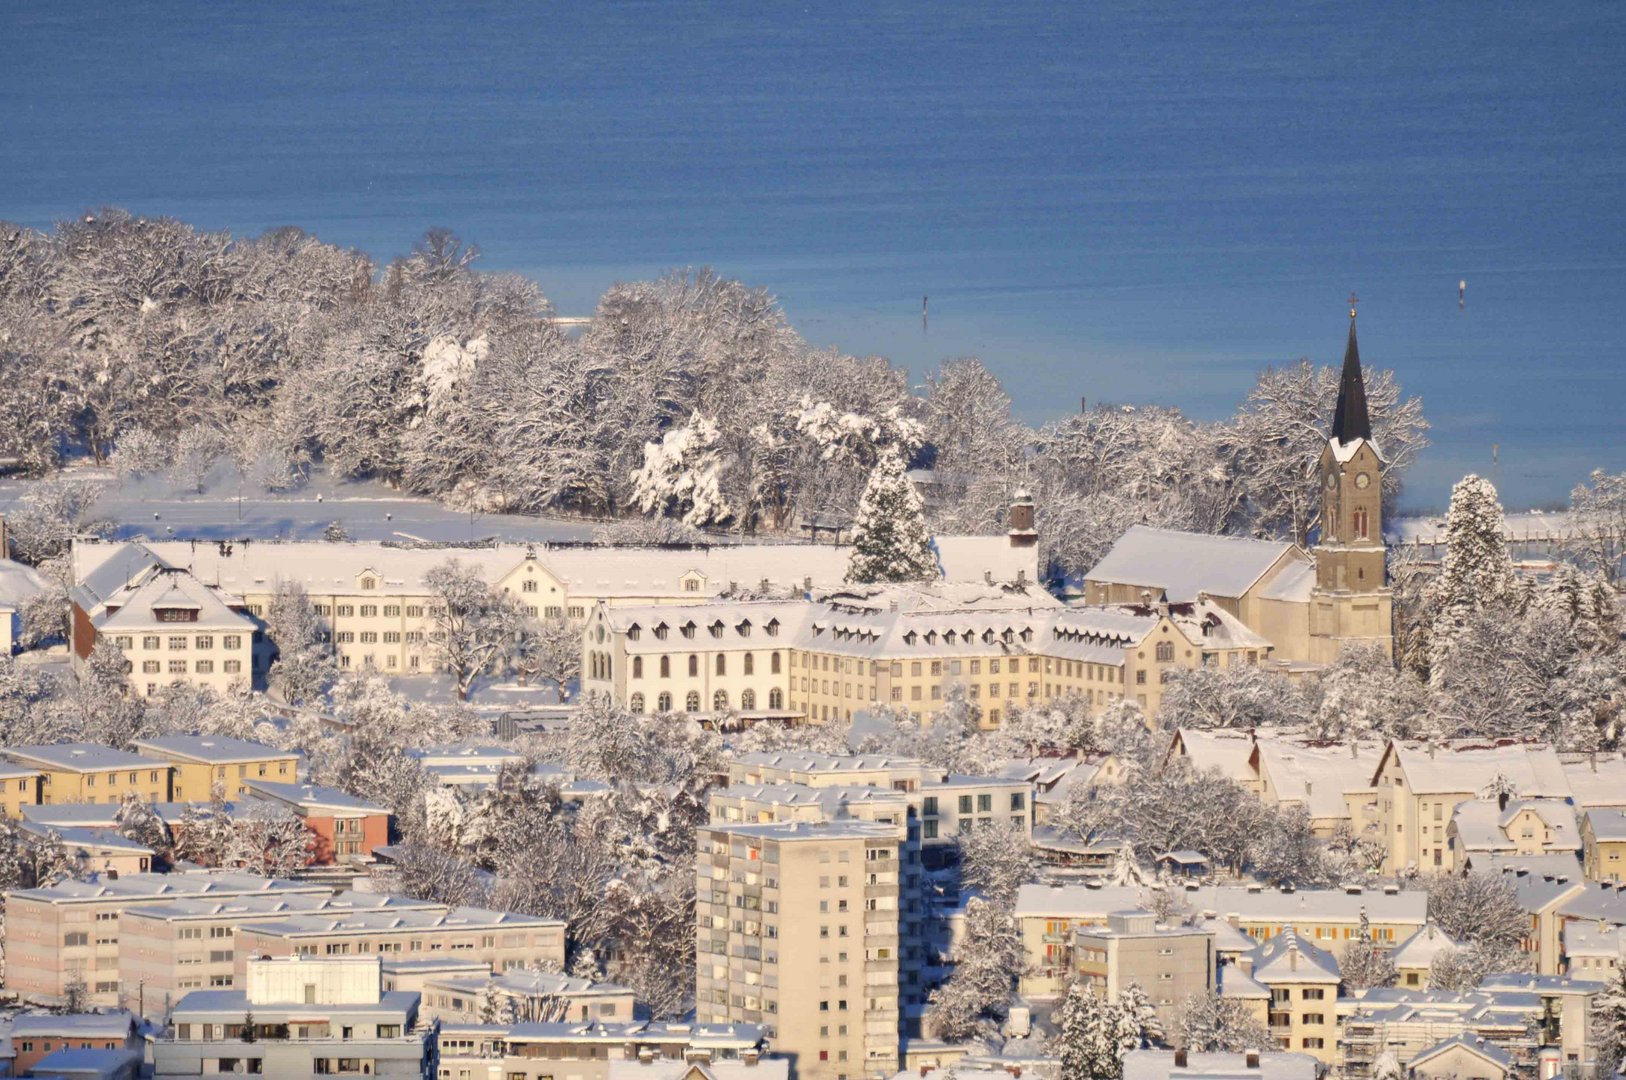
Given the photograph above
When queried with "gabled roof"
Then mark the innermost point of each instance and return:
(1607, 826)
(1287, 957)
(1420, 949)
(1472, 1043)
(1533, 770)
(312, 796)
(213, 749)
(1182, 564)
(169, 589)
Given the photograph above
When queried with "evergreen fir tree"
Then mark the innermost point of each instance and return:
(890, 538)
(1609, 1026)
(1093, 1035)
(1477, 572)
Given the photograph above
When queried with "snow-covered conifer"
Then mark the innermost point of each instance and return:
(890, 539)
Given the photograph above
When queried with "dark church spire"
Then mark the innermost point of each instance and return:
(1349, 420)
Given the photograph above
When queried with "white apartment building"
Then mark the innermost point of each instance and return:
(375, 602)
(502, 940)
(311, 1016)
(798, 930)
(170, 626)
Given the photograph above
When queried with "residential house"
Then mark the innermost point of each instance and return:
(1303, 981)
(1603, 845)
(36, 1036)
(1170, 963)
(587, 1049)
(1414, 957)
(526, 996)
(347, 828)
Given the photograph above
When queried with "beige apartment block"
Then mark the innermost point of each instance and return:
(202, 761)
(572, 1050)
(1303, 981)
(1170, 963)
(502, 940)
(71, 929)
(798, 930)
(88, 773)
(169, 950)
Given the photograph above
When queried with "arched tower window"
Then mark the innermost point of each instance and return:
(692, 703)
(1362, 529)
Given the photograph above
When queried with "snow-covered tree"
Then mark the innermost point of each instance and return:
(1609, 1025)
(1209, 1023)
(1287, 851)
(137, 822)
(471, 624)
(1093, 1034)
(1137, 1007)
(1229, 697)
(1364, 963)
(1363, 695)
(547, 649)
(1598, 517)
(271, 840)
(49, 514)
(976, 996)
(680, 475)
(1482, 911)
(995, 859)
(205, 834)
(1477, 572)
(890, 539)
(304, 668)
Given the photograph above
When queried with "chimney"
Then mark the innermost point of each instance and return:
(646, 1055)
(1180, 1058)
(987, 577)
(750, 1056)
(1501, 800)
(1022, 533)
(1252, 1058)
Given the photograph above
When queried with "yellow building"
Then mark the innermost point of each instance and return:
(87, 773)
(202, 761)
(1603, 845)
(19, 787)
(1303, 982)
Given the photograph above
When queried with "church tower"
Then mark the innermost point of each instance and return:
(1351, 601)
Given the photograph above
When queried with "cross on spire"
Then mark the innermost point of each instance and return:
(1352, 302)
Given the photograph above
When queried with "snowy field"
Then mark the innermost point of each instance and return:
(366, 511)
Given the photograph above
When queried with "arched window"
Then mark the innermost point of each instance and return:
(664, 702)
(719, 700)
(694, 665)
(776, 698)
(750, 663)
(636, 703)
(1360, 523)
(748, 699)
(638, 668)
(722, 664)
(666, 667)
(773, 663)
(1165, 650)
(692, 702)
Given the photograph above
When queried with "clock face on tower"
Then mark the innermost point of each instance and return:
(1363, 480)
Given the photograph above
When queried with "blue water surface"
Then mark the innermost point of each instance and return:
(1125, 201)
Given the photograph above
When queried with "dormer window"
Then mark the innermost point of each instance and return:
(772, 627)
(634, 632)
(931, 637)
(175, 614)
(716, 629)
(948, 637)
(909, 638)
(369, 583)
(688, 629)
(660, 631)
(744, 629)
(988, 637)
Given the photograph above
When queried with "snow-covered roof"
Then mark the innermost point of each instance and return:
(326, 923)
(1600, 901)
(793, 831)
(590, 570)
(18, 583)
(1289, 957)
(113, 1024)
(1594, 939)
(135, 609)
(136, 887)
(1484, 825)
(1315, 776)
(1597, 780)
(1607, 826)
(312, 796)
(1236, 983)
(1273, 1065)
(90, 840)
(1533, 770)
(767, 1068)
(739, 1036)
(257, 908)
(1471, 1042)
(1420, 949)
(1264, 905)
(87, 757)
(1294, 584)
(1184, 565)
(1231, 752)
(213, 749)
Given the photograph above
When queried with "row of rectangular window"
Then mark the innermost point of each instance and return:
(178, 643)
(178, 667)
